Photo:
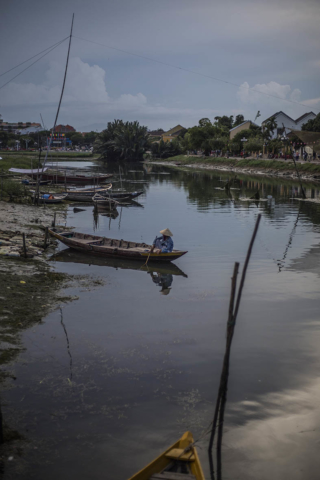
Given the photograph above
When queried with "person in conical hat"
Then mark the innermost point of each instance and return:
(163, 244)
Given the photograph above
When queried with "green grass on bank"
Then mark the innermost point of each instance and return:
(274, 165)
(52, 154)
(17, 162)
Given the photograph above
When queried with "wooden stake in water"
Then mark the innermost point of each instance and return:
(232, 317)
(302, 189)
(24, 245)
(46, 238)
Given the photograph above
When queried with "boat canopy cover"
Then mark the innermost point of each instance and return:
(26, 171)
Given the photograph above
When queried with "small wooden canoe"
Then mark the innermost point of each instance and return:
(86, 194)
(179, 462)
(110, 247)
(124, 195)
(52, 198)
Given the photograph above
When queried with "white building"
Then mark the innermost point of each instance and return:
(283, 120)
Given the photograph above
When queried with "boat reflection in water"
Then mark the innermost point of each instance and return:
(161, 274)
(163, 280)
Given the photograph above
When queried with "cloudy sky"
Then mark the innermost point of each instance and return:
(255, 45)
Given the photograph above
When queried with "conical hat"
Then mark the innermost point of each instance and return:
(166, 232)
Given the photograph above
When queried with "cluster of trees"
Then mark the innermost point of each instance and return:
(208, 136)
(122, 140)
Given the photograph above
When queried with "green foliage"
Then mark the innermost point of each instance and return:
(127, 141)
(206, 147)
(205, 122)
(4, 137)
(76, 138)
(90, 137)
(224, 122)
(255, 144)
(312, 125)
(269, 126)
(249, 133)
(199, 135)
(275, 146)
(219, 143)
(26, 141)
(165, 149)
(12, 188)
(239, 119)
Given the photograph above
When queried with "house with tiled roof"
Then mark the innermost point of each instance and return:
(243, 126)
(283, 120)
(304, 119)
(172, 133)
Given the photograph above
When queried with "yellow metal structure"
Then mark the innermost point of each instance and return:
(183, 450)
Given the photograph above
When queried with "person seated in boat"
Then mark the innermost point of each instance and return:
(163, 244)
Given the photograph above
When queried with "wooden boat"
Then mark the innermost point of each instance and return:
(178, 462)
(32, 183)
(60, 177)
(79, 195)
(111, 247)
(71, 256)
(124, 195)
(102, 200)
(52, 198)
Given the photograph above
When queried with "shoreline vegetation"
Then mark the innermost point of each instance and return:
(34, 156)
(275, 168)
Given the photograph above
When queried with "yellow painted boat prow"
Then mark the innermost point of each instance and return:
(180, 461)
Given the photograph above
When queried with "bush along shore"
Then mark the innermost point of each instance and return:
(277, 168)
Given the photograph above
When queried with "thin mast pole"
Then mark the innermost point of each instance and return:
(58, 110)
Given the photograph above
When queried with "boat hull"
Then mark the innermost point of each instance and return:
(172, 454)
(108, 247)
(75, 179)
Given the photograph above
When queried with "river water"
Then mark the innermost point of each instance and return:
(136, 360)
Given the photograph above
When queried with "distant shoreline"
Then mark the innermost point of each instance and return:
(308, 171)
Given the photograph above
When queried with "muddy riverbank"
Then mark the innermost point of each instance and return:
(269, 168)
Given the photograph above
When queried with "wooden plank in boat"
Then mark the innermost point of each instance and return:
(177, 454)
(172, 476)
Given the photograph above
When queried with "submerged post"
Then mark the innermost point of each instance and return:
(54, 219)
(46, 238)
(302, 190)
(223, 386)
(24, 245)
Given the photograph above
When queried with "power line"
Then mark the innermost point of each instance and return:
(13, 68)
(59, 43)
(192, 71)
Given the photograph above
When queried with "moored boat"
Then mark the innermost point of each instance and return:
(124, 195)
(103, 200)
(61, 177)
(79, 195)
(178, 462)
(111, 247)
(51, 198)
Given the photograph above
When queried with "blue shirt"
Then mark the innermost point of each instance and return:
(165, 245)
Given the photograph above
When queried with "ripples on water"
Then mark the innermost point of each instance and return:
(147, 345)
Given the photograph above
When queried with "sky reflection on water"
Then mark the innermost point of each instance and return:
(146, 366)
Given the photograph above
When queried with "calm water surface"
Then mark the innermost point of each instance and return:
(138, 357)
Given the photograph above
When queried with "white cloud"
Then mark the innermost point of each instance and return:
(86, 100)
(272, 97)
